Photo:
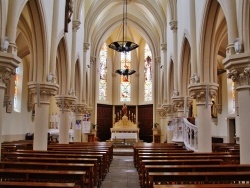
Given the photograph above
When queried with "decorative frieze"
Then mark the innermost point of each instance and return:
(79, 109)
(65, 102)
(240, 76)
(5, 74)
(173, 25)
(203, 92)
(41, 92)
(86, 46)
(166, 110)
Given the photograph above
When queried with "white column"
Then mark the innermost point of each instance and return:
(193, 37)
(91, 81)
(239, 72)
(53, 48)
(8, 63)
(79, 111)
(76, 26)
(173, 27)
(166, 115)
(159, 80)
(41, 93)
(65, 103)
(84, 85)
(165, 87)
(244, 108)
(2, 90)
(203, 93)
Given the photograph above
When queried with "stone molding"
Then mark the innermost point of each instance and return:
(76, 25)
(166, 110)
(79, 109)
(86, 46)
(199, 91)
(239, 69)
(65, 102)
(173, 25)
(45, 89)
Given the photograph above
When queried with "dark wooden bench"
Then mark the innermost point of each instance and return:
(191, 168)
(203, 186)
(91, 172)
(61, 155)
(50, 176)
(6, 184)
(198, 177)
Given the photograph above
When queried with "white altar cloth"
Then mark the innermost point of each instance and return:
(121, 135)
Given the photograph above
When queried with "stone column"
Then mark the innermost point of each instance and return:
(159, 79)
(79, 111)
(84, 84)
(166, 115)
(41, 93)
(91, 82)
(65, 103)
(203, 93)
(173, 27)
(76, 26)
(8, 64)
(165, 93)
(239, 67)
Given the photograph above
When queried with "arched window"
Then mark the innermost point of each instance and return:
(103, 73)
(18, 88)
(147, 74)
(125, 79)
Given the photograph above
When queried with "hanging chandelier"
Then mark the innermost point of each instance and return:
(124, 45)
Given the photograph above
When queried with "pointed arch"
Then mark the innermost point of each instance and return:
(61, 67)
(185, 67)
(39, 40)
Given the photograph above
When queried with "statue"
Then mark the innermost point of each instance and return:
(124, 110)
(213, 110)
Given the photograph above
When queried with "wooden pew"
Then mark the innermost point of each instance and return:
(143, 163)
(198, 178)
(61, 155)
(203, 186)
(7, 184)
(192, 168)
(90, 169)
(57, 176)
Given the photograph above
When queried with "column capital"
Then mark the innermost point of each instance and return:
(203, 92)
(158, 59)
(79, 109)
(92, 59)
(76, 25)
(8, 63)
(86, 46)
(179, 101)
(239, 69)
(164, 47)
(166, 110)
(173, 25)
(65, 102)
(45, 91)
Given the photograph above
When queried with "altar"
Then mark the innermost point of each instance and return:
(125, 129)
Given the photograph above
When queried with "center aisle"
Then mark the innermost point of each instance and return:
(122, 173)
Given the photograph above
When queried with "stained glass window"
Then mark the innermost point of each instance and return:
(16, 90)
(103, 73)
(147, 74)
(125, 80)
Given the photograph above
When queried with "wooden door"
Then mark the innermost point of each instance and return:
(104, 121)
(145, 122)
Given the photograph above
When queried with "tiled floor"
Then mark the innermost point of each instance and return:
(122, 173)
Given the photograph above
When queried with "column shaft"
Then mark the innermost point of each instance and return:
(64, 127)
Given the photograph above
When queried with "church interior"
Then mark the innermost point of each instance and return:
(125, 80)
